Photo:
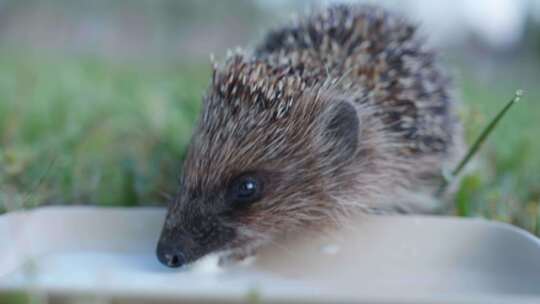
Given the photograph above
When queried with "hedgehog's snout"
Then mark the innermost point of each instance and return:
(172, 248)
(191, 236)
(170, 256)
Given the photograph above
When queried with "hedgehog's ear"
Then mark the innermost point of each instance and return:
(342, 129)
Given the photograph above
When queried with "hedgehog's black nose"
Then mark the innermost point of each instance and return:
(169, 256)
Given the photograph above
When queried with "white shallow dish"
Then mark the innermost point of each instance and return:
(68, 252)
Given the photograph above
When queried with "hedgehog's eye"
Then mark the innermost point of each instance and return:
(245, 190)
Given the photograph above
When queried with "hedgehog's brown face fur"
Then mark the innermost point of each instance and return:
(260, 163)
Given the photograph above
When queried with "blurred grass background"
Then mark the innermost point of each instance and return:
(105, 121)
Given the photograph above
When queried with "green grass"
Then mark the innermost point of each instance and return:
(98, 133)
(503, 182)
(92, 131)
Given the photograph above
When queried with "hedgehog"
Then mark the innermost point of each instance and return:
(343, 112)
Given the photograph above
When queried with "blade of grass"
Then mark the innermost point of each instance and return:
(478, 143)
